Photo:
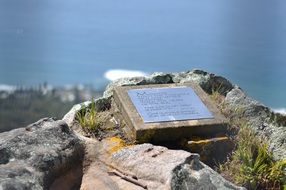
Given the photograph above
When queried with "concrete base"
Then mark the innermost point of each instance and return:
(171, 130)
(212, 150)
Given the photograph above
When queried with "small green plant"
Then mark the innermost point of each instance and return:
(216, 97)
(252, 165)
(216, 94)
(278, 118)
(87, 118)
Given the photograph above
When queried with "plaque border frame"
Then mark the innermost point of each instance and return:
(168, 130)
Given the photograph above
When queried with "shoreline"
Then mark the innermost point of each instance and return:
(22, 105)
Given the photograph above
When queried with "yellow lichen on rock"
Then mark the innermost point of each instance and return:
(205, 142)
(115, 144)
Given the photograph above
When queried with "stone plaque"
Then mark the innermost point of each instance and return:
(168, 104)
(167, 112)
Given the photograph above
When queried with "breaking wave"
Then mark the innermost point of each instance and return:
(280, 110)
(7, 88)
(115, 74)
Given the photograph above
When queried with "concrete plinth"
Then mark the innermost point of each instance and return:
(168, 130)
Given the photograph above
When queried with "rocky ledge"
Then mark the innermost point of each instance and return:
(54, 154)
(35, 156)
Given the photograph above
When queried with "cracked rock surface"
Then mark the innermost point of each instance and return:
(154, 167)
(33, 157)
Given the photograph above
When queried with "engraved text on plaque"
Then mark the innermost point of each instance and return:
(168, 104)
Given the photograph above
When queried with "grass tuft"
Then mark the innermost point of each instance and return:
(87, 118)
(252, 165)
(216, 96)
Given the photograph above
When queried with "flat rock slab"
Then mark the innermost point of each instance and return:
(168, 112)
(33, 157)
(152, 167)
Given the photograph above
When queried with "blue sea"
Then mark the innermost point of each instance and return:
(77, 42)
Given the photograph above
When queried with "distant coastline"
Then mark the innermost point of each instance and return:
(21, 105)
(66, 93)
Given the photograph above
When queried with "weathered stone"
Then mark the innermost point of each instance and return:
(155, 78)
(160, 78)
(196, 76)
(208, 82)
(162, 168)
(70, 117)
(267, 124)
(212, 150)
(260, 118)
(122, 82)
(97, 166)
(153, 166)
(33, 157)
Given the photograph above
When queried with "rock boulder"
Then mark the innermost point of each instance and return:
(33, 157)
(151, 167)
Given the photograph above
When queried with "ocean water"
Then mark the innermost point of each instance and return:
(82, 42)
